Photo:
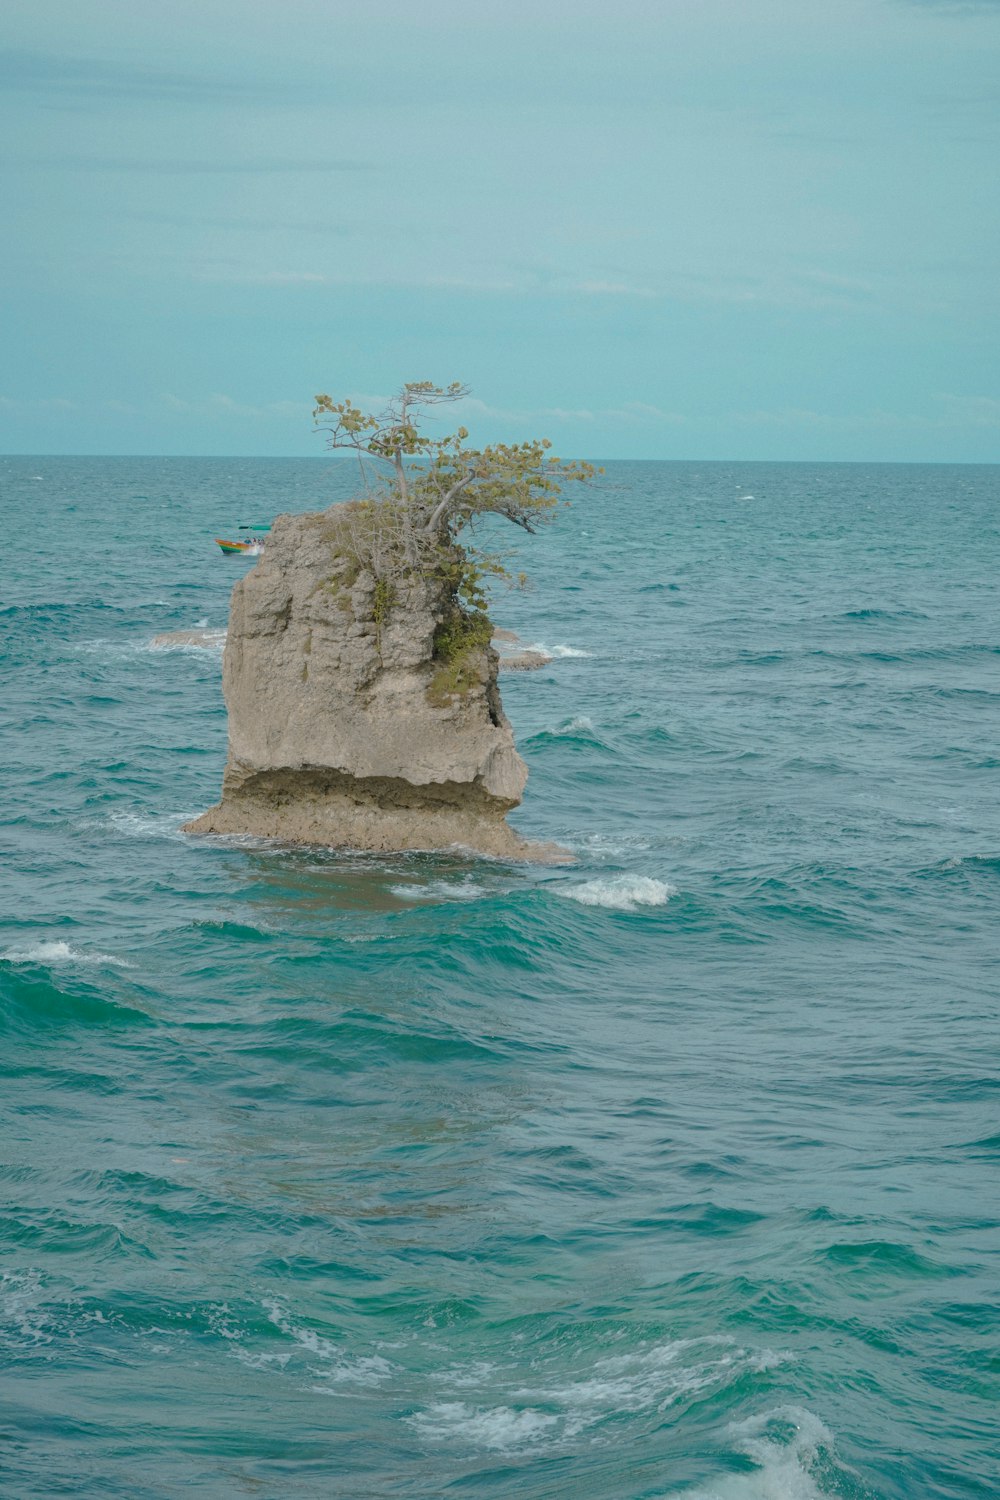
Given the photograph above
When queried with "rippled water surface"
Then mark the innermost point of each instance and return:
(671, 1173)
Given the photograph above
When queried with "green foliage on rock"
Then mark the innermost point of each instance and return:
(422, 498)
(459, 641)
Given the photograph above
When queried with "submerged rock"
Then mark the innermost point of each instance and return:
(200, 636)
(515, 656)
(346, 726)
(524, 661)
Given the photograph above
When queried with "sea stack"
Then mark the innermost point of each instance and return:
(353, 719)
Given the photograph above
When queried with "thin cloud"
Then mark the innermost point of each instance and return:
(960, 7)
(609, 289)
(236, 221)
(971, 411)
(499, 285)
(636, 412)
(284, 278)
(176, 166)
(41, 404)
(960, 413)
(97, 78)
(222, 405)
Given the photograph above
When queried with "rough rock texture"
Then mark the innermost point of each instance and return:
(523, 661)
(339, 730)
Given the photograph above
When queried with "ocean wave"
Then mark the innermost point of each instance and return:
(59, 952)
(499, 1428)
(577, 730)
(335, 1367)
(23, 1320)
(57, 608)
(606, 845)
(149, 825)
(443, 890)
(622, 892)
(557, 651)
(793, 1454)
(873, 613)
(198, 638)
(653, 1378)
(978, 864)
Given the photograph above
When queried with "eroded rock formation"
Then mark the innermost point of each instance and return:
(347, 727)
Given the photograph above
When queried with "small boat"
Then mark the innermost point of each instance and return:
(248, 546)
(248, 549)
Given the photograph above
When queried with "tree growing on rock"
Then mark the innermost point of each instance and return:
(423, 494)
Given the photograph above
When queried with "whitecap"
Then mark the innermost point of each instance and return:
(117, 649)
(148, 826)
(550, 1411)
(622, 892)
(579, 724)
(234, 1335)
(463, 1376)
(556, 651)
(494, 1427)
(788, 1444)
(58, 952)
(442, 890)
(607, 845)
(657, 1376)
(198, 638)
(22, 1316)
(335, 1367)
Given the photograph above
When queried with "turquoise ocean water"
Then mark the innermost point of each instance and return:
(672, 1173)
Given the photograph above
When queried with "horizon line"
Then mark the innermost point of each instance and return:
(943, 463)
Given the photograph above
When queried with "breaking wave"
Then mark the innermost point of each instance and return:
(59, 952)
(793, 1456)
(557, 651)
(622, 892)
(656, 1378)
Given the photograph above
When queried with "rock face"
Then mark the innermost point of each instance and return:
(345, 729)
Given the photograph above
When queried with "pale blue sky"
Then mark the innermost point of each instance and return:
(689, 229)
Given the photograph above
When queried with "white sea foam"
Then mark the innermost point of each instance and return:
(987, 862)
(789, 1445)
(607, 845)
(219, 1320)
(442, 890)
(579, 724)
(494, 1427)
(460, 1377)
(101, 647)
(149, 826)
(556, 651)
(621, 892)
(335, 1367)
(199, 638)
(659, 1377)
(22, 1316)
(551, 1410)
(58, 952)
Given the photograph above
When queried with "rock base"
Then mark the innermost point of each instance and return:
(375, 814)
